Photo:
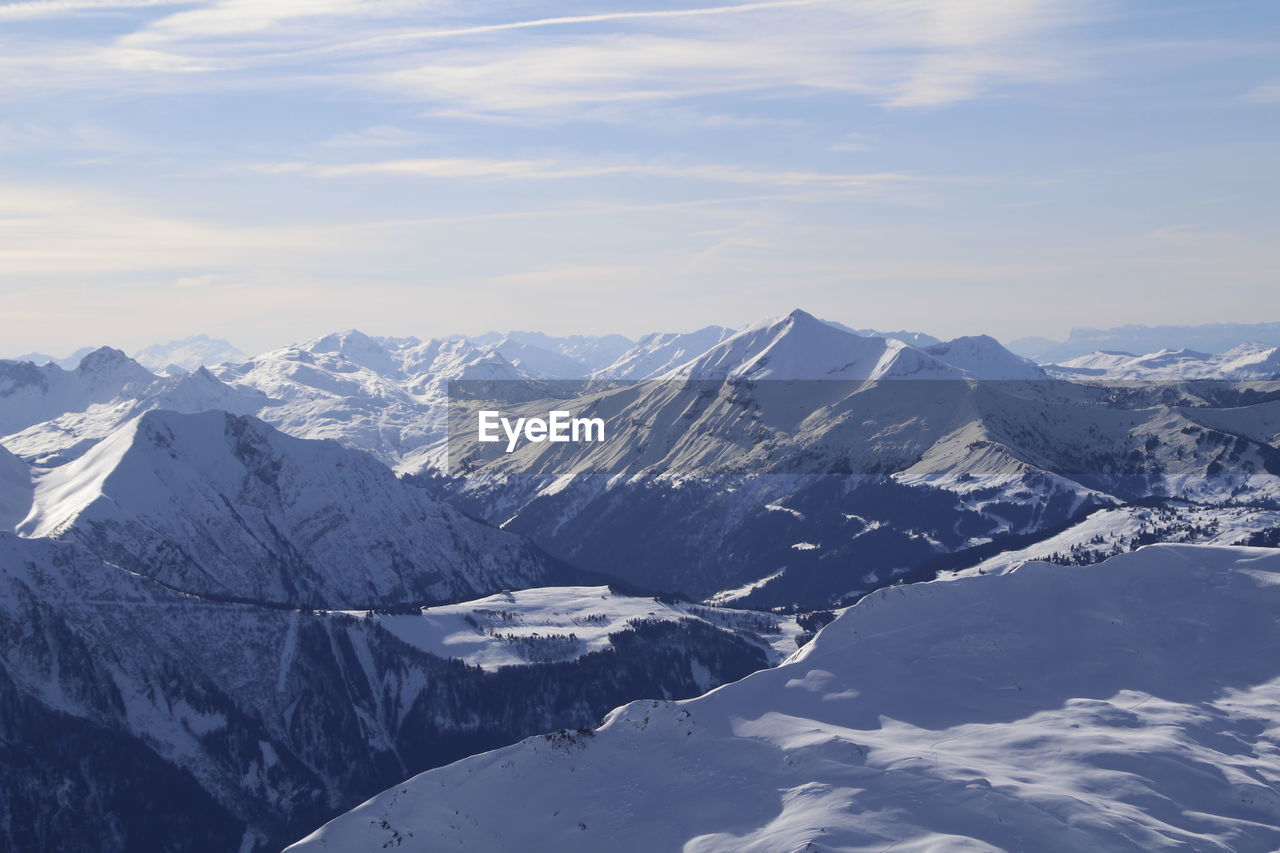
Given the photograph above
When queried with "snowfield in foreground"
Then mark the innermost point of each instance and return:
(1128, 705)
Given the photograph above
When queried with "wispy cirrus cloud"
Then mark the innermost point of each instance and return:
(35, 9)
(541, 170)
(1267, 93)
(917, 53)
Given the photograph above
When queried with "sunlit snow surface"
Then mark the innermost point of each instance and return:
(523, 626)
(1128, 705)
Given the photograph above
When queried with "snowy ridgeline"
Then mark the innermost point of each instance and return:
(1127, 706)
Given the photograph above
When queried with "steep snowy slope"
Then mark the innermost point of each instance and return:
(16, 490)
(800, 346)
(188, 353)
(815, 492)
(223, 505)
(429, 367)
(656, 354)
(30, 394)
(1127, 706)
(134, 718)
(916, 339)
(982, 357)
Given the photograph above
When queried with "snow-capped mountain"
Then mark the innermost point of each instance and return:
(1252, 361)
(188, 353)
(580, 355)
(67, 436)
(68, 363)
(787, 490)
(385, 398)
(982, 357)
(223, 505)
(33, 393)
(176, 722)
(1209, 337)
(656, 354)
(1125, 706)
(537, 362)
(800, 346)
(916, 339)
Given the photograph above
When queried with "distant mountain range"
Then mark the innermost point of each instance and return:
(1209, 337)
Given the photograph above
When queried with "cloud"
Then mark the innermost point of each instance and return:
(1267, 93)
(1187, 236)
(477, 168)
(378, 136)
(899, 53)
(49, 231)
(55, 8)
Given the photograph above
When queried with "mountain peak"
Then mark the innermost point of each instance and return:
(102, 358)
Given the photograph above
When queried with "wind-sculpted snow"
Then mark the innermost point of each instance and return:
(224, 505)
(1127, 706)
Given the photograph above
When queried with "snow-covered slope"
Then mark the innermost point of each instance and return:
(386, 398)
(554, 624)
(188, 353)
(1128, 706)
(136, 718)
(800, 346)
(537, 362)
(224, 505)
(30, 394)
(580, 354)
(656, 354)
(916, 339)
(1246, 362)
(880, 479)
(71, 434)
(16, 490)
(982, 357)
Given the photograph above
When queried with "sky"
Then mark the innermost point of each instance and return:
(271, 170)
